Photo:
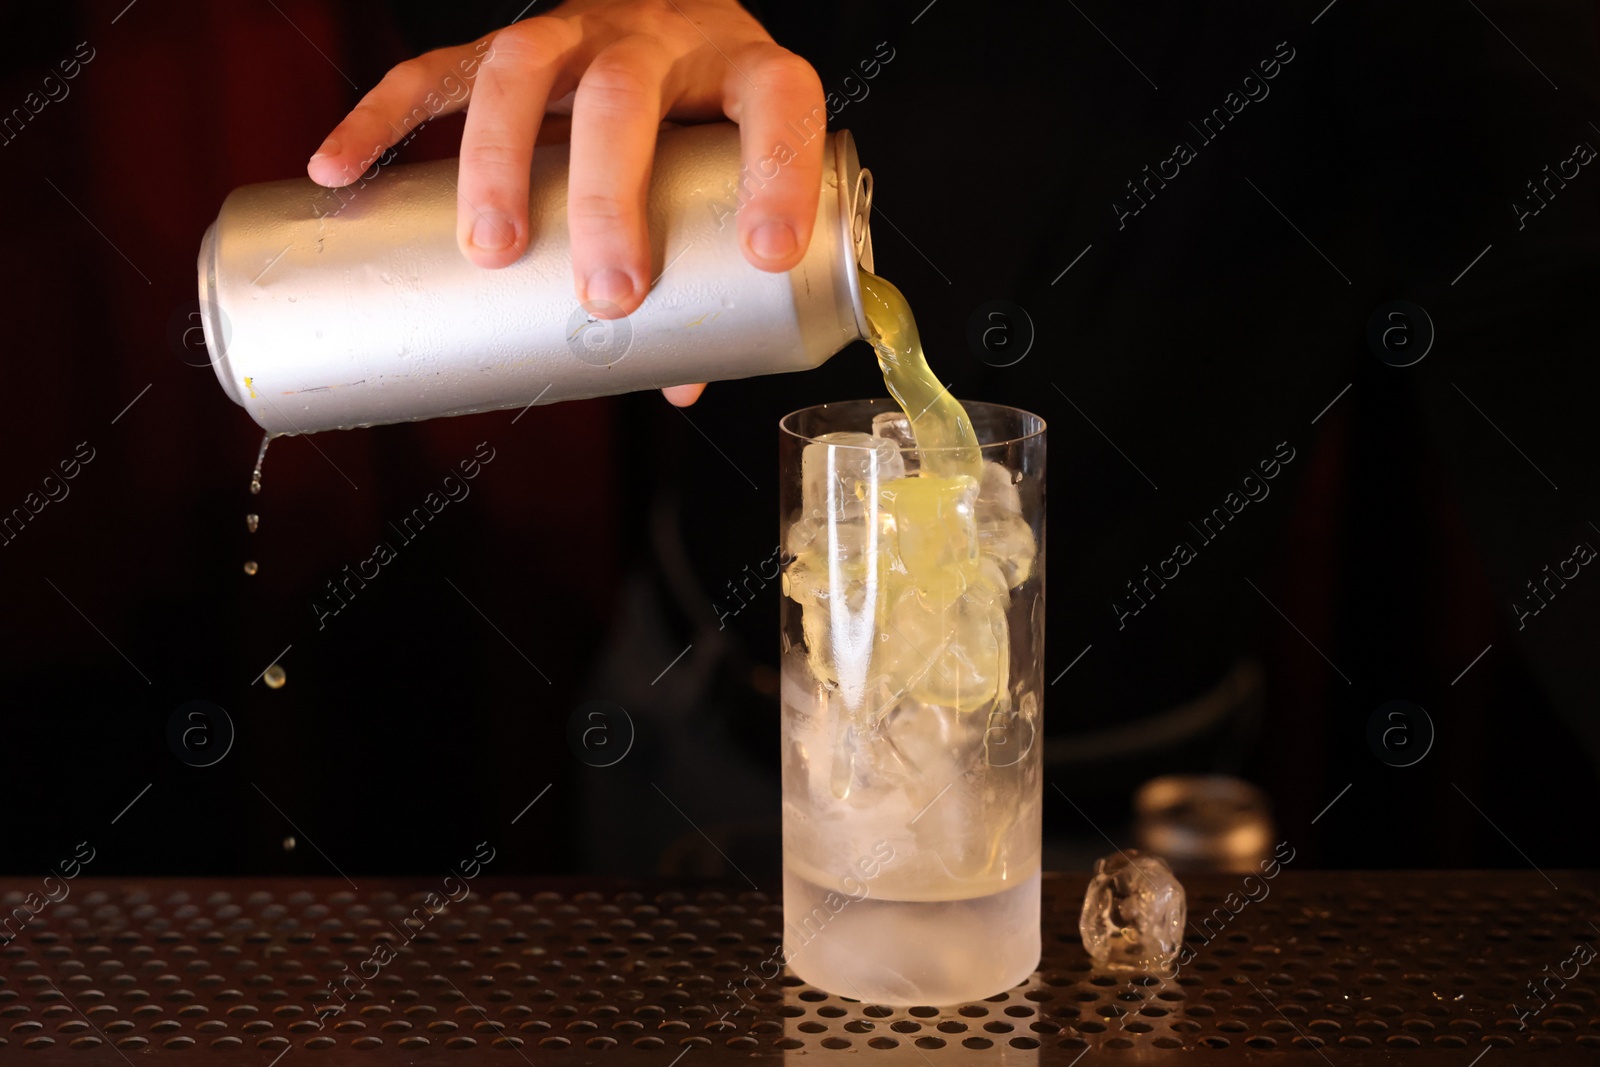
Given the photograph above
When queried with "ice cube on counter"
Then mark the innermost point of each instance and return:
(1133, 913)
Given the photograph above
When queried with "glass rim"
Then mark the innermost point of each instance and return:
(785, 426)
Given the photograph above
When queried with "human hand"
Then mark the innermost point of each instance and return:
(620, 67)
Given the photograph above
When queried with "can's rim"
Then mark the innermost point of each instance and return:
(855, 206)
(1036, 426)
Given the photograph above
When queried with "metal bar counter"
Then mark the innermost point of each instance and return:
(1457, 968)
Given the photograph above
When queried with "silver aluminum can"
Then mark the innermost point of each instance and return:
(327, 309)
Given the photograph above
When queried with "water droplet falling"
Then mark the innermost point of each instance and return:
(252, 520)
(250, 567)
(275, 677)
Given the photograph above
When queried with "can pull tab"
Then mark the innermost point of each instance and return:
(861, 209)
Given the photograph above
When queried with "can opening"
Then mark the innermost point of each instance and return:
(860, 231)
(855, 208)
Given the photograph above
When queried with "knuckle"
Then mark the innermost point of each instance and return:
(408, 79)
(599, 211)
(367, 114)
(614, 84)
(493, 155)
(778, 69)
(660, 20)
(657, 19)
(529, 43)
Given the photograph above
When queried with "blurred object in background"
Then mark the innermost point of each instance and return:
(1204, 822)
(1217, 728)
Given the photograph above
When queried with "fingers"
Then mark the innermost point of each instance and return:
(433, 84)
(618, 104)
(776, 98)
(615, 115)
(681, 396)
(508, 102)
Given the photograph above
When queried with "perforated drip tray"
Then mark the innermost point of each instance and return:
(1325, 968)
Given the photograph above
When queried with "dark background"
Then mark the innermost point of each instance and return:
(427, 715)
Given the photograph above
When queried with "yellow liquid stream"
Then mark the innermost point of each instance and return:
(903, 567)
(943, 432)
(903, 597)
(904, 606)
(930, 515)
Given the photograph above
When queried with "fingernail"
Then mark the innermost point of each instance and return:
(609, 285)
(493, 231)
(330, 147)
(772, 240)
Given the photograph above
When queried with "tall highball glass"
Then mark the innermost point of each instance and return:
(913, 651)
